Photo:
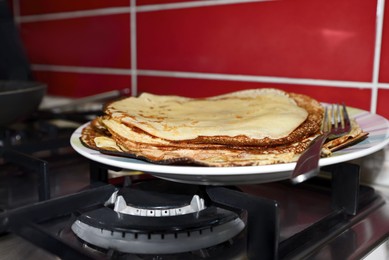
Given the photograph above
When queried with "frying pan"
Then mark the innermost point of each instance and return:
(19, 99)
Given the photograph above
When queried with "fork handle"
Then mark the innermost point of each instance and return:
(308, 162)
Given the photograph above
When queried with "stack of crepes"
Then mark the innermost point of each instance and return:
(249, 127)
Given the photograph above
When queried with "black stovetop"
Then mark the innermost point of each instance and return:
(284, 221)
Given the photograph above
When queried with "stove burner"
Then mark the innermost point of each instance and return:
(174, 227)
(280, 220)
(158, 242)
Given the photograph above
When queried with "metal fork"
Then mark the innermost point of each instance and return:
(335, 124)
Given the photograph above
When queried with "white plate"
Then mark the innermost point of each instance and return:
(377, 127)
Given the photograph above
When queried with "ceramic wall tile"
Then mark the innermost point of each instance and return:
(305, 39)
(48, 6)
(382, 103)
(298, 39)
(98, 41)
(81, 84)
(384, 65)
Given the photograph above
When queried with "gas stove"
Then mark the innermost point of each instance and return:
(56, 203)
(149, 218)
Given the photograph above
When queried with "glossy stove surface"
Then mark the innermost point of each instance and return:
(300, 208)
(307, 219)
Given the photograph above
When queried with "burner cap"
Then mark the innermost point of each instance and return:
(178, 207)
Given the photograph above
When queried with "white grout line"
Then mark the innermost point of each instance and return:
(74, 14)
(124, 10)
(383, 85)
(133, 49)
(159, 7)
(263, 79)
(377, 54)
(208, 76)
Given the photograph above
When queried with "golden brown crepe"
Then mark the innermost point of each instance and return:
(250, 127)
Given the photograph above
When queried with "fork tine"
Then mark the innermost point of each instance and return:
(340, 121)
(333, 115)
(346, 118)
(339, 117)
(326, 122)
(336, 117)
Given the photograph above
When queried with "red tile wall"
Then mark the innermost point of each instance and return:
(301, 39)
(384, 71)
(323, 48)
(46, 7)
(87, 41)
(73, 84)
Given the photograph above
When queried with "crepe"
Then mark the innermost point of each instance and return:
(246, 113)
(250, 127)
